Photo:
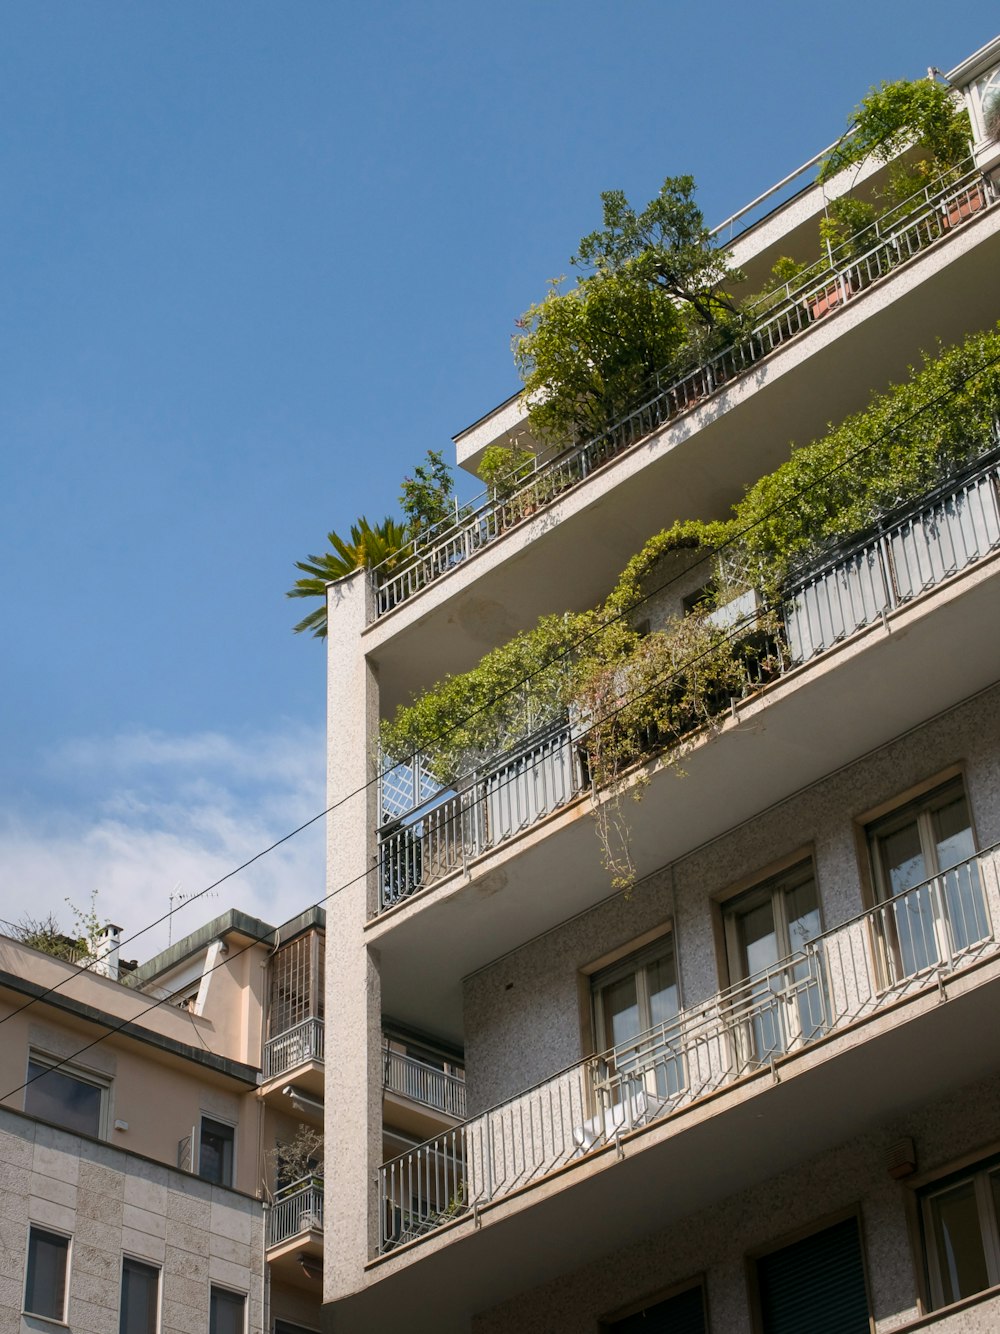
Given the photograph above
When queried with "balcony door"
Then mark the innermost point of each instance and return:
(921, 858)
(635, 1012)
(777, 995)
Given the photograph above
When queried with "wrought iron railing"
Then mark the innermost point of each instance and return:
(296, 1209)
(914, 550)
(294, 1047)
(846, 272)
(424, 1083)
(910, 942)
(911, 552)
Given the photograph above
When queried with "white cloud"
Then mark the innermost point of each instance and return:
(162, 814)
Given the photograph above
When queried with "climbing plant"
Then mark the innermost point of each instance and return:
(631, 694)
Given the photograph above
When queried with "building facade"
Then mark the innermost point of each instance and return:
(761, 1090)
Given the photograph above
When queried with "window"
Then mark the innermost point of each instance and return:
(45, 1281)
(635, 1008)
(227, 1312)
(961, 1225)
(67, 1096)
(921, 862)
(682, 1313)
(766, 931)
(817, 1284)
(215, 1151)
(140, 1297)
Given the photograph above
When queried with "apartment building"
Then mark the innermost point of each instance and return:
(162, 1133)
(760, 1091)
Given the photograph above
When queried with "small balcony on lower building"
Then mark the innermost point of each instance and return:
(777, 1060)
(292, 1059)
(295, 1233)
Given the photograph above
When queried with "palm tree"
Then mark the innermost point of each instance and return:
(369, 546)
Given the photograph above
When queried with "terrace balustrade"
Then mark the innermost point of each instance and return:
(846, 975)
(907, 231)
(914, 550)
(424, 1083)
(296, 1208)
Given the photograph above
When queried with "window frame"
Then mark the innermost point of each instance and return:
(916, 805)
(607, 1323)
(226, 1125)
(749, 1047)
(922, 1189)
(54, 1233)
(801, 1233)
(226, 1292)
(144, 1263)
(82, 1075)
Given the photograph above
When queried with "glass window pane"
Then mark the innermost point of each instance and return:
(54, 1095)
(902, 859)
(45, 1287)
(758, 938)
(661, 983)
(140, 1297)
(958, 1242)
(215, 1157)
(620, 1007)
(227, 1312)
(953, 834)
(802, 915)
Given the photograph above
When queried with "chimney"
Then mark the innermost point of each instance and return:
(104, 950)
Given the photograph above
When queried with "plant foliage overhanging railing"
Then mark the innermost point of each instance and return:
(847, 974)
(897, 237)
(911, 551)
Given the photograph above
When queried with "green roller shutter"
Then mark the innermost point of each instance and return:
(817, 1284)
(683, 1314)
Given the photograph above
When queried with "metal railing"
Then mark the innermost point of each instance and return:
(424, 1083)
(914, 550)
(441, 836)
(295, 1209)
(909, 554)
(900, 947)
(846, 272)
(294, 1047)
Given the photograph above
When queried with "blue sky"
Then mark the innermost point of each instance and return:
(257, 259)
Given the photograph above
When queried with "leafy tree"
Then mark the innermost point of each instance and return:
(653, 291)
(895, 115)
(426, 497)
(586, 353)
(369, 545)
(667, 246)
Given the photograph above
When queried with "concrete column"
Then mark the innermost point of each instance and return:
(353, 1021)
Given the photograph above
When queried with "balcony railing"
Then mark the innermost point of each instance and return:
(424, 1083)
(296, 1209)
(894, 239)
(914, 550)
(294, 1047)
(850, 973)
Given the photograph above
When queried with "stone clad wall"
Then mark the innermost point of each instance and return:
(112, 1203)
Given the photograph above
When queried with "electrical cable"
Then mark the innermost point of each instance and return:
(708, 555)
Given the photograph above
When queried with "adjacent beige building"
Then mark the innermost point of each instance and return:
(761, 1092)
(161, 1139)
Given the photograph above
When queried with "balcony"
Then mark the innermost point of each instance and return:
(897, 238)
(295, 1232)
(911, 947)
(912, 552)
(420, 1097)
(294, 1058)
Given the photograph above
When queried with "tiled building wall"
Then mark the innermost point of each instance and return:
(523, 1015)
(111, 1204)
